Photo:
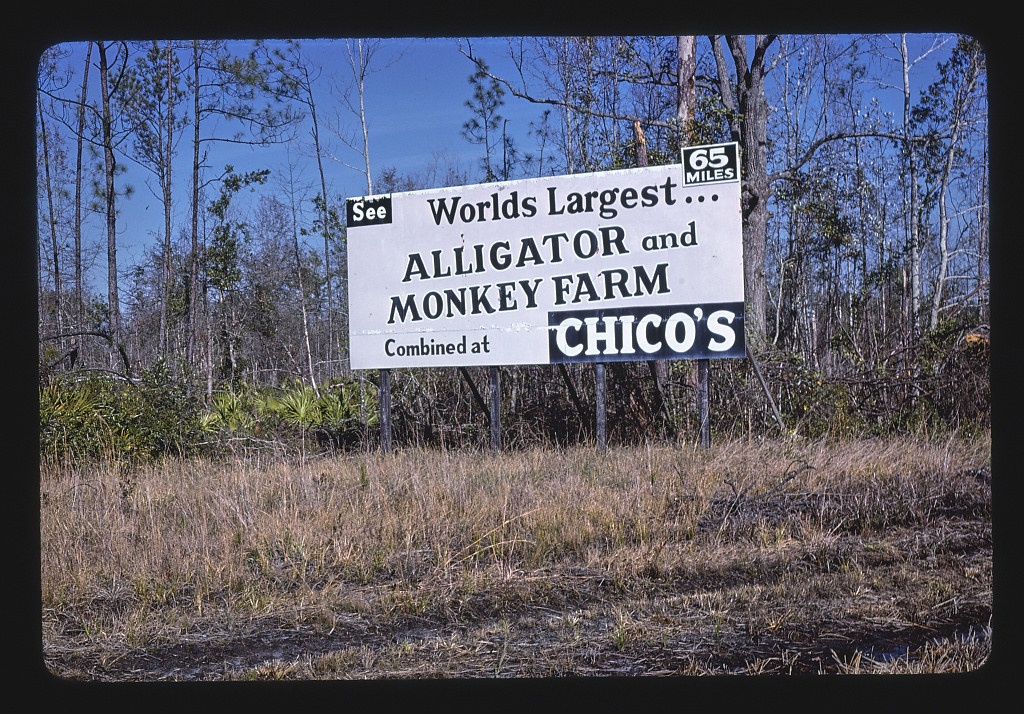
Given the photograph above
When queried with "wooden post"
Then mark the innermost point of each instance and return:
(659, 374)
(574, 394)
(385, 409)
(495, 409)
(601, 416)
(703, 410)
(767, 392)
(476, 393)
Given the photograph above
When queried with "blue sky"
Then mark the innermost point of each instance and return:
(415, 103)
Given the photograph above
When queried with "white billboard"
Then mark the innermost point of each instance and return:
(633, 264)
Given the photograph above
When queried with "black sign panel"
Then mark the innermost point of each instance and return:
(712, 330)
(710, 164)
(368, 211)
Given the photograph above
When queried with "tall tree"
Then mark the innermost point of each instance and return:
(362, 54)
(686, 113)
(359, 59)
(152, 95)
(79, 177)
(49, 154)
(743, 94)
(913, 212)
(294, 201)
(482, 128)
(195, 258)
(299, 83)
(111, 74)
(224, 271)
(229, 91)
(946, 112)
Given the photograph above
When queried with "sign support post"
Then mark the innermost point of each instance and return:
(703, 409)
(495, 378)
(600, 406)
(385, 409)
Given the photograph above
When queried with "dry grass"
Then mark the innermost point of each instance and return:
(749, 558)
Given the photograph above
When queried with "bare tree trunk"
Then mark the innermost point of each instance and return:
(748, 122)
(298, 276)
(194, 261)
(327, 235)
(109, 167)
(959, 105)
(360, 67)
(913, 209)
(51, 218)
(79, 302)
(165, 182)
(310, 101)
(687, 87)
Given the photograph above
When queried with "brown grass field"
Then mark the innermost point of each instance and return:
(775, 558)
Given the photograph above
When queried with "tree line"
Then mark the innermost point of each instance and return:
(865, 231)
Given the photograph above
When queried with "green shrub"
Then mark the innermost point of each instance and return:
(104, 417)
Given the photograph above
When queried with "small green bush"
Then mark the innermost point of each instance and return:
(99, 416)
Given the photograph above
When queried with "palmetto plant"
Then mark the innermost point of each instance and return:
(232, 411)
(249, 410)
(340, 404)
(333, 409)
(68, 415)
(299, 406)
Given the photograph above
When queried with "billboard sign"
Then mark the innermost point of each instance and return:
(633, 264)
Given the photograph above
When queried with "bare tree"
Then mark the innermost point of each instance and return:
(291, 188)
(949, 102)
(743, 95)
(79, 175)
(48, 155)
(111, 75)
(229, 88)
(152, 94)
(300, 77)
(362, 61)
